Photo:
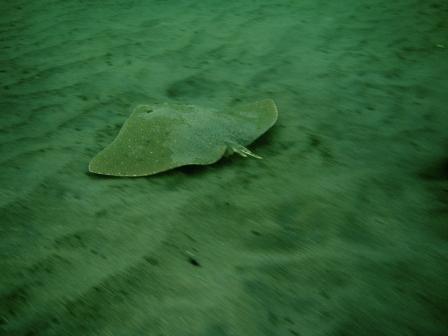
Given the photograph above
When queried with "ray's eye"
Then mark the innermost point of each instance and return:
(145, 109)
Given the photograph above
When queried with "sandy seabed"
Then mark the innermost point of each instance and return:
(340, 230)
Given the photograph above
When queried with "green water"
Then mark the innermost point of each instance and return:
(341, 228)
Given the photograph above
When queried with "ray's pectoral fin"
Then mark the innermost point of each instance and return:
(241, 150)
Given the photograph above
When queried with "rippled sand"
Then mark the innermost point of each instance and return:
(339, 230)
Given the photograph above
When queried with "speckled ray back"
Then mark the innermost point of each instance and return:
(159, 137)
